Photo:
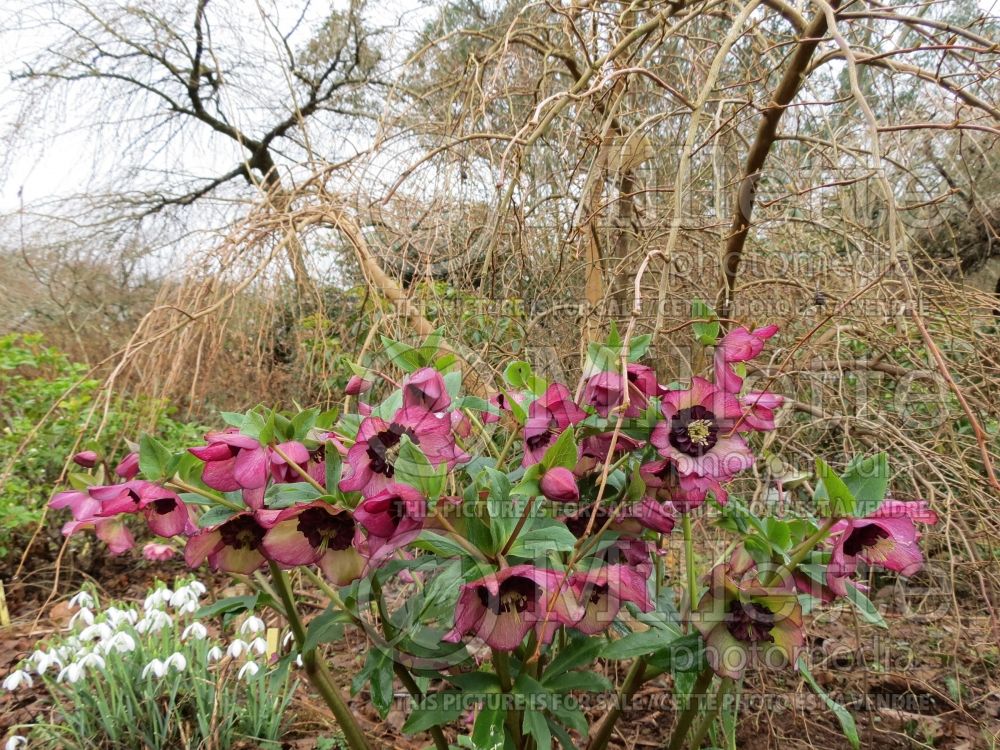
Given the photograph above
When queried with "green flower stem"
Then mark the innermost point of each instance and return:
(299, 470)
(502, 667)
(800, 552)
(599, 740)
(517, 528)
(689, 562)
(316, 669)
(185, 487)
(691, 710)
(440, 743)
(725, 687)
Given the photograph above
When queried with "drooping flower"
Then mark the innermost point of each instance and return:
(395, 515)
(425, 389)
(548, 416)
(128, 467)
(195, 630)
(80, 504)
(602, 591)
(86, 459)
(309, 461)
(371, 461)
(654, 515)
(316, 533)
(604, 391)
(248, 670)
(252, 625)
(502, 402)
(697, 432)
(684, 493)
(156, 552)
(112, 531)
(886, 539)
(502, 607)
(745, 623)
(759, 408)
(559, 484)
(235, 545)
(165, 512)
(233, 461)
(595, 451)
(15, 679)
(739, 345)
(357, 385)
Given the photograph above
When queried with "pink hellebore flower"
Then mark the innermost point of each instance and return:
(559, 484)
(233, 461)
(395, 516)
(112, 531)
(315, 533)
(80, 503)
(695, 433)
(595, 451)
(86, 459)
(502, 607)
(128, 467)
(310, 461)
(886, 539)
(425, 389)
(606, 390)
(371, 460)
(759, 408)
(739, 345)
(165, 512)
(601, 593)
(502, 402)
(156, 552)
(357, 385)
(235, 545)
(548, 416)
(683, 492)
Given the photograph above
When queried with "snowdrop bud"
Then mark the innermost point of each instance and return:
(298, 660)
(99, 631)
(15, 742)
(289, 637)
(84, 615)
(43, 661)
(237, 648)
(197, 587)
(17, 678)
(252, 625)
(82, 599)
(154, 621)
(195, 630)
(176, 661)
(156, 668)
(258, 645)
(214, 654)
(158, 599)
(248, 670)
(70, 673)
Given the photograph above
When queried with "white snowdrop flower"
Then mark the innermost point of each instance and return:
(121, 642)
(176, 661)
(252, 625)
(17, 678)
(43, 660)
(116, 617)
(156, 668)
(16, 742)
(71, 673)
(91, 660)
(197, 587)
(188, 608)
(154, 621)
(99, 631)
(289, 637)
(237, 648)
(258, 645)
(82, 599)
(195, 630)
(298, 660)
(184, 600)
(248, 670)
(214, 654)
(158, 599)
(84, 615)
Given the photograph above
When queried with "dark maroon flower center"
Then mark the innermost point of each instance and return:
(863, 537)
(694, 431)
(383, 447)
(578, 524)
(242, 532)
(318, 526)
(543, 439)
(133, 496)
(516, 594)
(598, 593)
(750, 622)
(164, 505)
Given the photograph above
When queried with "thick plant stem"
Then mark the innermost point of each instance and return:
(633, 680)
(316, 669)
(440, 743)
(691, 710)
(706, 723)
(502, 667)
(692, 576)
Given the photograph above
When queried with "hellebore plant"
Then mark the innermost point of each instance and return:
(497, 549)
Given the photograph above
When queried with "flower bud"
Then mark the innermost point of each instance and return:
(128, 467)
(559, 484)
(86, 459)
(357, 385)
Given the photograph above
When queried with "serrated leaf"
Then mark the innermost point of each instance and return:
(535, 724)
(488, 731)
(404, 356)
(154, 458)
(867, 478)
(563, 452)
(541, 541)
(230, 605)
(707, 328)
(435, 709)
(831, 493)
(215, 515)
